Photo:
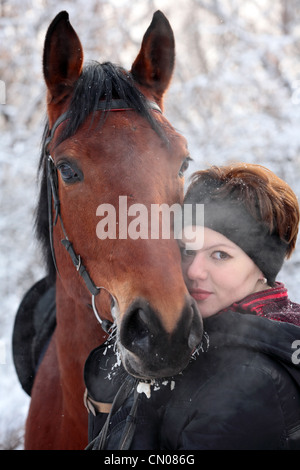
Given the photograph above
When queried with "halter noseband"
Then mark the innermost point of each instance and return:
(52, 193)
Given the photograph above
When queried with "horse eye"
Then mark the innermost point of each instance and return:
(184, 166)
(69, 174)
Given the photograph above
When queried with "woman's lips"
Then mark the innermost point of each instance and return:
(200, 294)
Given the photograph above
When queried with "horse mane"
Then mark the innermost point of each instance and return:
(97, 82)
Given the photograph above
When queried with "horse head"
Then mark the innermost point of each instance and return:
(113, 157)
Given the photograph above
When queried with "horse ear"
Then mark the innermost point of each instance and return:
(154, 65)
(63, 58)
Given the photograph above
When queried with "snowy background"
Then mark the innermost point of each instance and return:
(235, 96)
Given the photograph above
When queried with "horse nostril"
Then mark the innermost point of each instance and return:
(137, 334)
(140, 324)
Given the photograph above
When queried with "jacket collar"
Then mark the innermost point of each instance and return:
(273, 304)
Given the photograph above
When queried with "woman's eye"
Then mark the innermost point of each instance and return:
(68, 174)
(220, 255)
(184, 167)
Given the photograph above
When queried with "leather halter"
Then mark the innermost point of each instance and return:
(52, 192)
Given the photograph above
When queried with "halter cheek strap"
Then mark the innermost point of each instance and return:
(52, 193)
(52, 190)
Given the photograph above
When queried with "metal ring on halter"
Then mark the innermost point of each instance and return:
(95, 310)
(105, 324)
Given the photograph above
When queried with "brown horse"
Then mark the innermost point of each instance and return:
(106, 137)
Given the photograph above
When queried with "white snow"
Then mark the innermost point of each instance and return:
(234, 95)
(144, 387)
(153, 386)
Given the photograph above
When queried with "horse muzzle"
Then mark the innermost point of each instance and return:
(147, 350)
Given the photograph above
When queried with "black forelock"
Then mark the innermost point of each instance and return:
(104, 82)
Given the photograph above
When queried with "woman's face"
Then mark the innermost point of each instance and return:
(219, 272)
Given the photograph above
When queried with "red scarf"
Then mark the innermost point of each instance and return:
(271, 303)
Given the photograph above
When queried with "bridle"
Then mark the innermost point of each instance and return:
(52, 194)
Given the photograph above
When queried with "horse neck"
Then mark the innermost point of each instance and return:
(77, 334)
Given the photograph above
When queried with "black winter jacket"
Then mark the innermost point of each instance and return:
(242, 391)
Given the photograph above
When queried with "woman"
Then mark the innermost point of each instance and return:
(253, 217)
(242, 391)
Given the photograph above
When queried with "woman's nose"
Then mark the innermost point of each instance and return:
(197, 269)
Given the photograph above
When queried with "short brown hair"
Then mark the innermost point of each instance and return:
(268, 198)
